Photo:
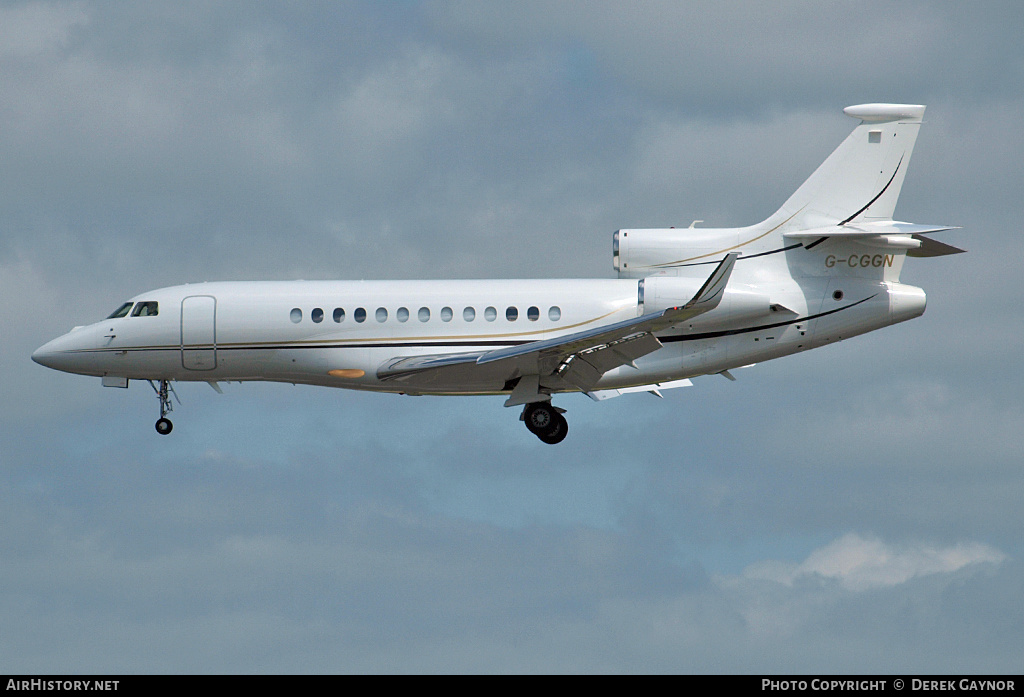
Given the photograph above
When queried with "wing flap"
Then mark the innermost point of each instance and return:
(585, 368)
(654, 388)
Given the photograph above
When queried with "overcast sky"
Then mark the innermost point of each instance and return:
(852, 509)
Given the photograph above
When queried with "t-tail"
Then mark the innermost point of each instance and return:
(845, 209)
(842, 214)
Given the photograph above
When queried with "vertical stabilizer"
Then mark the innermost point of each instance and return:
(861, 180)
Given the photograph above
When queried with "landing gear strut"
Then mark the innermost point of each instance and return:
(546, 422)
(164, 392)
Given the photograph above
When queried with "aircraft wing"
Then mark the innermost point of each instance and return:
(580, 358)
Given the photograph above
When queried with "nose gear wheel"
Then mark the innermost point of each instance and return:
(164, 392)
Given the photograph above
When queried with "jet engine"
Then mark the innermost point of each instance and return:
(645, 252)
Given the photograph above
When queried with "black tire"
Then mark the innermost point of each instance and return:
(164, 426)
(557, 432)
(539, 417)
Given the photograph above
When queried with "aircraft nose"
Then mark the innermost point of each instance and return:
(61, 354)
(47, 355)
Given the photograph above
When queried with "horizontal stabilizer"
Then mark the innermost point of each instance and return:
(868, 229)
(933, 248)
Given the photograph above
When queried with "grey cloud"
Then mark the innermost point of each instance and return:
(385, 587)
(740, 57)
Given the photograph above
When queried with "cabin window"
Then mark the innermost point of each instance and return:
(146, 309)
(446, 314)
(554, 313)
(424, 314)
(296, 315)
(512, 313)
(382, 314)
(490, 314)
(121, 311)
(402, 314)
(317, 315)
(360, 314)
(533, 314)
(339, 315)
(469, 314)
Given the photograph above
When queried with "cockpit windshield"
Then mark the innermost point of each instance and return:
(121, 311)
(145, 309)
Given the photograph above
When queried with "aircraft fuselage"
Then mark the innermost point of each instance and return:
(338, 333)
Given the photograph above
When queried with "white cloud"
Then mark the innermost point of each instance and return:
(858, 563)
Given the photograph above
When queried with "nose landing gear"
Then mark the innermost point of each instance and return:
(164, 392)
(546, 422)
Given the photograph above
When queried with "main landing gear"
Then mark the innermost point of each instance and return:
(164, 392)
(546, 422)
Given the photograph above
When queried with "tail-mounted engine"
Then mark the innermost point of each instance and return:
(646, 252)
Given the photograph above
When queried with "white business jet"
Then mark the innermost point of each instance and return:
(687, 302)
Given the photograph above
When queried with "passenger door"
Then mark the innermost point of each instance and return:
(198, 332)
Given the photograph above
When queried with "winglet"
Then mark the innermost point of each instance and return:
(710, 294)
(706, 299)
